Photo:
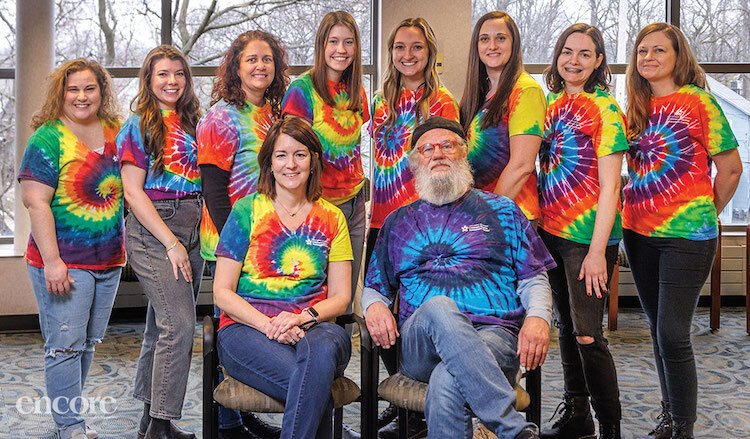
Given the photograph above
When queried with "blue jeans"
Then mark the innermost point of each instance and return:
(588, 369)
(71, 325)
(301, 375)
(669, 274)
(467, 367)
(354, 212)
(164, 363)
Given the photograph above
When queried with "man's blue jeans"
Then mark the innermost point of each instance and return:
(468, 367)
(301, 375)
(71, 325)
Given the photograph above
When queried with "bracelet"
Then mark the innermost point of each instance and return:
(174, 244)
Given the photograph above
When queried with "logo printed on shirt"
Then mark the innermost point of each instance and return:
(317, 242)
(479, 227)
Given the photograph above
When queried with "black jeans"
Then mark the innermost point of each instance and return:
(588, 369)
(669, 274)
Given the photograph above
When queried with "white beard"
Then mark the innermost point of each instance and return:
(445, 188)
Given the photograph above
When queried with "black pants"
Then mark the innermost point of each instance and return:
(669, 274)
(588, 369)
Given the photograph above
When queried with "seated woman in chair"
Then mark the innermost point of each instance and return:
(283, 272)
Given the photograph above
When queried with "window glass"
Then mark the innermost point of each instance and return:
(7, 156)
(121, 36)
(717, 29)
(205, 34)
(541, 22)
(7, 34)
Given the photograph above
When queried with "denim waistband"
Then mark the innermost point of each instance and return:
(192, 199)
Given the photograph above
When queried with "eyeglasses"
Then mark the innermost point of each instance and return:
(447, 146)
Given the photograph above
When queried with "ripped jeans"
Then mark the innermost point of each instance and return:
(71, 325)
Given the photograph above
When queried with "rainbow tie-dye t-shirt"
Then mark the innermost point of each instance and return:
(393, 184)
(489, 149)
(669, 194)
(88, 201)
(473, 250)
(181, 175)
(230, 139)
(580, 128)
(339, 131)
(282, 269)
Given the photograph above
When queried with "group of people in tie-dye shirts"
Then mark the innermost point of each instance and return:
(268, 188)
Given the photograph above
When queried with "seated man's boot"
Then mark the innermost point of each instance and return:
(387, 416)
(259, 427)
(165, 429)
(574, 422)
(417, 427)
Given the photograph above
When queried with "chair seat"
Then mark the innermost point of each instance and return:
(410, 394)
(233, 394)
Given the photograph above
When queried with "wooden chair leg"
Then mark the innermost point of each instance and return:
(715, 320)
(747, 279)
(614, 299)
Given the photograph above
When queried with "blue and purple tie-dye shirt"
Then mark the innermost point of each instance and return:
(181, 176)
(473, 250)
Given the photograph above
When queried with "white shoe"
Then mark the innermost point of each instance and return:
(91, 433)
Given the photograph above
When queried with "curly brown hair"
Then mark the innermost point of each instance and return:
(146, 104)
(57, 83)
(228, 85)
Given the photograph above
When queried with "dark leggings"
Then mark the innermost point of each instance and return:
(669, 274)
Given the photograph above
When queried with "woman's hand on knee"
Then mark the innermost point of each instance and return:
(282, 323)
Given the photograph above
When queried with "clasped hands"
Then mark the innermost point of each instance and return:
(285, 327)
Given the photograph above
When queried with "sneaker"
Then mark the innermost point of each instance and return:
(417, 428)
(528, 433)
(387, 416)
(91, 433)
(575, 420)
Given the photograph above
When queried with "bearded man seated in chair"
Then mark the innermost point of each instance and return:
(470, 272)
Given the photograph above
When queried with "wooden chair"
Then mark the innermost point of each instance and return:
(410, 395)
(235, 395)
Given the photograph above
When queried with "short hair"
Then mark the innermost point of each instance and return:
(228, 85)
(52, 108)
(600, 77)
(300, 131)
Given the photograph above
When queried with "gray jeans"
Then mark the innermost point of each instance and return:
(167, 348)
(354, 212)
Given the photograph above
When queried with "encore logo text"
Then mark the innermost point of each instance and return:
(27, 405)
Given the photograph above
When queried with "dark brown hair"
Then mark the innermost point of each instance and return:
(600, 77)
(352, 76)
(145, 104)
(477, 83)
(228, 85)
(300, 131)
(56, 89)
(686, 71)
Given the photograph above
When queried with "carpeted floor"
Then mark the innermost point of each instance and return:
(723, 367)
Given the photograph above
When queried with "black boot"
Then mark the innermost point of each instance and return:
(663, 429)
(682, 430)
(165, 429)
(238, 432)
(386, 416)
(417, 427)
(609, 431)
(145, 421)
(575, 420)
(259, 427)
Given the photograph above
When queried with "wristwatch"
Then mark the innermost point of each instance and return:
(314, 314)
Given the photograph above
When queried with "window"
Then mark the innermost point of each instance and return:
(7, 157)
(541, 22)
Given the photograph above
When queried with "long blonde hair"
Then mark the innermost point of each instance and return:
(146, 104)
(392, 81)
(686, 71)
(352, 76)
(57, 84)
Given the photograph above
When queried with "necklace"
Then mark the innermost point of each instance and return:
(290, 213)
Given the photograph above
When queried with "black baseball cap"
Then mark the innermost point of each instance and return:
(437, 122)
